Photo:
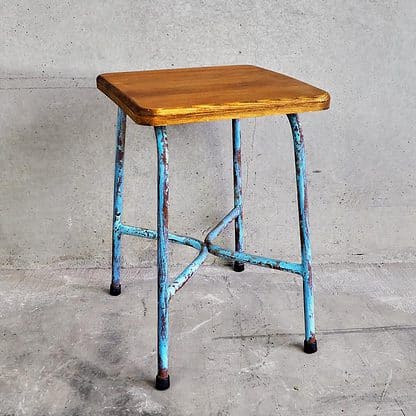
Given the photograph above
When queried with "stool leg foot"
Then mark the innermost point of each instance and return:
(238, 195)
(310, 345)
(115, 288)
(238, 267)
(162, 383)
(162, 379)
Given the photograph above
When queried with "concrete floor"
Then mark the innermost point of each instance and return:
(68, 348)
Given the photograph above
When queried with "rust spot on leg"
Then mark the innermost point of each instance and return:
(166, 205)
(163, 326)
(163, 373)
(310, 280)
(238, 156)
(164, 152)
(305, 197)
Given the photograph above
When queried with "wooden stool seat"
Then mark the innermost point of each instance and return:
(176, 96)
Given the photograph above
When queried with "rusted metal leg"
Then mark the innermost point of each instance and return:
(115, 287)
(310, 344)
(162, 378)
(238, 196)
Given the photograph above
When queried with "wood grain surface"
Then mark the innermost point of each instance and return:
(176, 96)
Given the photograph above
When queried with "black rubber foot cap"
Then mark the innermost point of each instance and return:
(115, 290)
(310, 347)
(238, 267)
(162, 383)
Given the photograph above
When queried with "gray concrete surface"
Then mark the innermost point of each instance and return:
(56, 129)
(68, 348)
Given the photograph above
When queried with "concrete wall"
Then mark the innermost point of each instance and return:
(57, 134)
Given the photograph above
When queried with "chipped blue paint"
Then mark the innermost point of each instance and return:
(165, 290)
(256, 260)
(238, 192)
(213, 234)
(118, 198)
(146, 233)
(162, 250)
(300, 161)
(216, 250)
(184, 276)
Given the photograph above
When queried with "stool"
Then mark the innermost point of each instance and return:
(175, 96)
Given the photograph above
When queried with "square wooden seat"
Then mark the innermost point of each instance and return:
(175, 96)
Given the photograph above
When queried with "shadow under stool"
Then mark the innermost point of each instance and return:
(176, 96)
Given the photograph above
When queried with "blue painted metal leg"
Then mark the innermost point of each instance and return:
(310, 344)
(115, 287)
(162, 378)
(238, 196)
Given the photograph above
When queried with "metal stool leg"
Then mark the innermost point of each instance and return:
(115, 287)
(310, 345)
(238, 196)
(162, 378)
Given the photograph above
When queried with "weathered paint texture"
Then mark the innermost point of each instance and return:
(238, 195)
(215, 232)
(166, 290)
(162, 250)
(214, 249)
(300, 161)
(118, 196)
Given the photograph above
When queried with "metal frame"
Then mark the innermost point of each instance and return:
(167, 290)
